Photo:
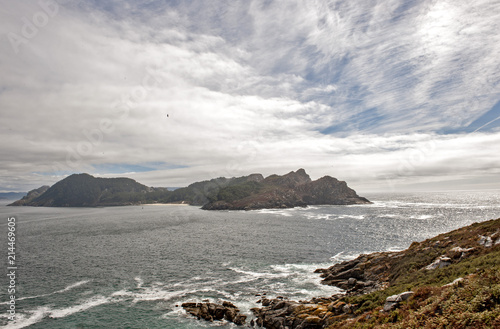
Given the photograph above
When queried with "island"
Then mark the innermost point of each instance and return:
(295, 189)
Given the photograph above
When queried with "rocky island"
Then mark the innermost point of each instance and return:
(295, 189)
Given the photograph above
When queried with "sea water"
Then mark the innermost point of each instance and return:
(132, 267)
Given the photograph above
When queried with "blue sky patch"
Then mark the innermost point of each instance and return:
(121, 168)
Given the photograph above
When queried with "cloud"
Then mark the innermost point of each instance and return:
(344, 89)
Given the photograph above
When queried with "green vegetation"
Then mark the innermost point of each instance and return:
(240, 191)
(85, 190)
(473, 302)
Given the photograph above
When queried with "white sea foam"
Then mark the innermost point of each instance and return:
(297, 268)
(90, 303)
(320, 216)
(68, 288)
(395, 248)
(384, 204)
(29, 318)
(149, 294)
(282, 212)
(259, 275)
(344, 256)
(422, 217)
(353, 216)
(139, 281)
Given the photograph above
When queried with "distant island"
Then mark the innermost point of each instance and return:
(295, 189)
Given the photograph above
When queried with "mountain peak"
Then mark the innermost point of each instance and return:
(290, 180)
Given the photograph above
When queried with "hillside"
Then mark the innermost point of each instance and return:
(83, 190)
(28, 198)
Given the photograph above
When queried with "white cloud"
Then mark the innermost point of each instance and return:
(248, 88)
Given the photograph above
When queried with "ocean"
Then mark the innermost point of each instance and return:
(132, 267)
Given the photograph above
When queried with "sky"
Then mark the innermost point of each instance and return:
(388, 95)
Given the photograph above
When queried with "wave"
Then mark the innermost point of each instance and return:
(139, 281)
(395, 249)
(259, 275)
(32, 317)
(149, 294)
(68, 288)
(282, 212)
(320, 216)
(346, 256)
(352, 216)
(422, 217)
(23, 320)
(90, 303)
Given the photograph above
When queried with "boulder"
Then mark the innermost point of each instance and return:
(392, 302)
(455, 282)
(459, 252)
(352, 281)
(485, 241)
(212, 311)
(240, 319)
(440, 262)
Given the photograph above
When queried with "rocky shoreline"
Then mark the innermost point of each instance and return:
(212, 311)
(376, 286)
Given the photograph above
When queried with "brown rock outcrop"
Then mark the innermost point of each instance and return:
(215, 312)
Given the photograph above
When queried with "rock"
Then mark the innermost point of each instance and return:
(455, 282)
(313, 319)
(228, 304)
(339, 308)
(392, 302)
(279, 305)
(353, 277)
(219, 312)
(211, 311)
(458, 252)
(348, 308)
(440, 262)
(266, 302)
(231, 314)
(404, 296)
(240, 319)
(485, 241)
